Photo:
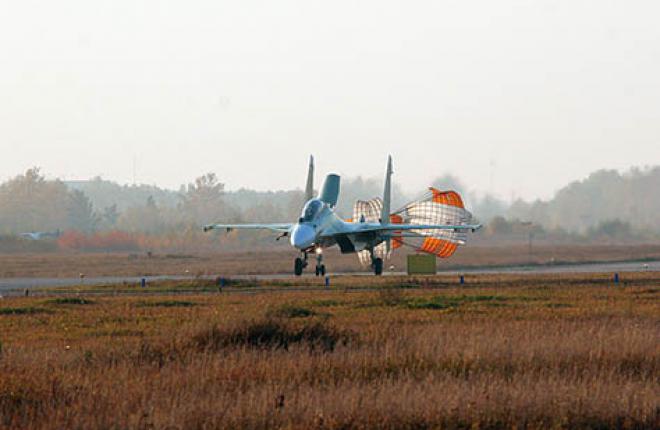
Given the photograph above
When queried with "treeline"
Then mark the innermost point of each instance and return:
(605, 200)
(100, 214)
(30, 203)
(109, 217)
(244, 205)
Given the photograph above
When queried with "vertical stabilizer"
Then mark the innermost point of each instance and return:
(387, 194)
(330, 190)
(309, 189)
(387, 199)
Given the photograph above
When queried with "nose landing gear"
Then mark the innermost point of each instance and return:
(301, 263)
(320, 267)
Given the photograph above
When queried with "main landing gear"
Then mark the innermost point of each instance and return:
(376, 264)
(301, 263)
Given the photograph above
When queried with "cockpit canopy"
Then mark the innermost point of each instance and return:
(311, 209)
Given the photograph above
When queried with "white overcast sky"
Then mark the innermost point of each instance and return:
(518, 97)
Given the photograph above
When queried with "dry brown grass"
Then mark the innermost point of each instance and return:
(269, 262)
(502, 353)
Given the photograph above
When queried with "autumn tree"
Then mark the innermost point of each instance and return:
(109, 217)
(143, 219)
(202, 201)
(29, 202)
(80, 212)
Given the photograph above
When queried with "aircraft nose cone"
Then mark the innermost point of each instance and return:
(303, 236)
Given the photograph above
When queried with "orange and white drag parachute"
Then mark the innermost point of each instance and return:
(434, 208)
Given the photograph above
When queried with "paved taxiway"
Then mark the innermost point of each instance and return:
(8, 285)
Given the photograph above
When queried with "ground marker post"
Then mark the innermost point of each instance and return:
(327, 282)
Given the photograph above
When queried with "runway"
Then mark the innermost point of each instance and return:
(12, 285)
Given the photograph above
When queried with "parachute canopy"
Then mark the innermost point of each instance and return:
(435, 207)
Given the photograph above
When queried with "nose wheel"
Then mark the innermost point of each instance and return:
(320, 267)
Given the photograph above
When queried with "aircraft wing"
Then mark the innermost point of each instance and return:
(280, 228)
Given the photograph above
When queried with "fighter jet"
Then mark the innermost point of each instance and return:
(436, 224)
(40, 235)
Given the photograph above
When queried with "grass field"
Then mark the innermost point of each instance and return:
(570, 351)
(66, 265)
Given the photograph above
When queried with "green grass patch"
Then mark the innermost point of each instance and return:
(291, 311)
(167, 304)
(271, 334)
(496, 305)
(538, 298)
(29, 310)
(70, 301)
(432, 303)
(557, 305)
(449, 302)
(396, 297)
(410, 285)
(117, 333)
(326, 303)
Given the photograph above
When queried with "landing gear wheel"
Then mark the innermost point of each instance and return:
(378, 266)
(320, 267)
(298, 267)
(320, 270)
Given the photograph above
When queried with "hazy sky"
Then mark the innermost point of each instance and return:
(519, 97)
